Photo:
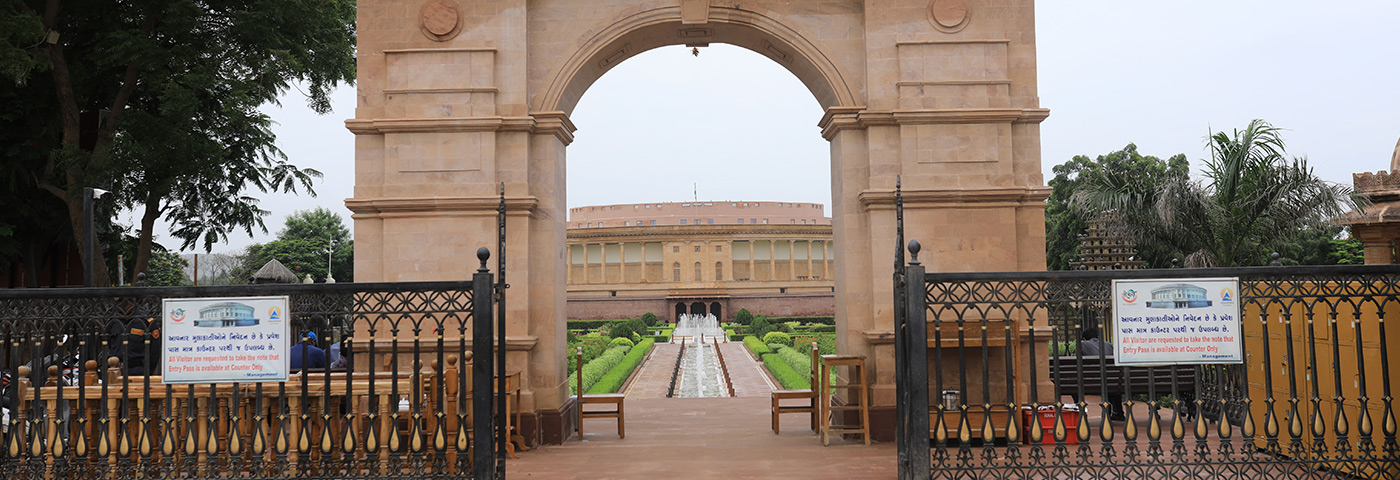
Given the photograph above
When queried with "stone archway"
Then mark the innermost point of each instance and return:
(457, 98)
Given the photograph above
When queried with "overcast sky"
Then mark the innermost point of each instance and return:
(737, 126)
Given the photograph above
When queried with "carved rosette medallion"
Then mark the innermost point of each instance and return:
(441, 19)
(949, 16)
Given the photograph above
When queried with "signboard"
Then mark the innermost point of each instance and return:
(1177, 321)
(209, 340)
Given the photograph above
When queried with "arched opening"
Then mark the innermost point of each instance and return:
(719, 271)
(715, 310)
(680, 310)
(698, 276)
(697, 308)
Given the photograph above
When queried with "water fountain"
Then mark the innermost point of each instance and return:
(696, 326)
(700, 375)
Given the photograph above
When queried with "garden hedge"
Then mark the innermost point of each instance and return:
(787, 377)
(613, 380)
(800, 362)
(777, 337)
(756, 346)
(594, 370)
(820, 320)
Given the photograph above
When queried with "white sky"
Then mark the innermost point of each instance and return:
(1159, 74)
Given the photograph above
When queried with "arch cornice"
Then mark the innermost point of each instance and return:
(839, 91)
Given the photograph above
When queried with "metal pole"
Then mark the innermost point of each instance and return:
(501, 286)
(483, 403)
(88, 237)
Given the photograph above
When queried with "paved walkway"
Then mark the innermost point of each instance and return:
(721, 438)
(747, 375)
(654, 376)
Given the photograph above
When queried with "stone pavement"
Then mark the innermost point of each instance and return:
(653, 378)
(721, 438)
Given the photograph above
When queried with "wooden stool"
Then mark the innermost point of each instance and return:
(857, 400)
(614, 399)
(809, 406)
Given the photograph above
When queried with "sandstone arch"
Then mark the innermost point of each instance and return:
(479, 94)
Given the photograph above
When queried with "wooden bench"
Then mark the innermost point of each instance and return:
(614, 399)
(1094, 374)
(808, 397)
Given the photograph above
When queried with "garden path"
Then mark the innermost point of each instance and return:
(721, 438)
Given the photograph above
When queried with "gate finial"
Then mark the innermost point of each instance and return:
(483, 254)
(914, 248)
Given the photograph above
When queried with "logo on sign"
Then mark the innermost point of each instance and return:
(274, 313)
(1227, 295)
(1129, 296)
(177, 315)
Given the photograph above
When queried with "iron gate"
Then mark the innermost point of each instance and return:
(1313, 398)
(414, 401)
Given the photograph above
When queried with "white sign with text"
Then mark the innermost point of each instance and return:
(210, 340)
(1177, 321)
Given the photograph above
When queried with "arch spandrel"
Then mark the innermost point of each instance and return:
(631, 34)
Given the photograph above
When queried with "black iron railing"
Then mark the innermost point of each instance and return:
(413, 398)
(1312, 394)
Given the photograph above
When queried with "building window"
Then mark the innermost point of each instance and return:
(653, 222)
(697, 249)
(804, 221)
(676, 249)
(765, 221)
(682, 221)
(719, 271)
(676, 272)
(697, 272)
(719, 248)
(711, 221)
(741, 221)
(753, 221)
(697, 221)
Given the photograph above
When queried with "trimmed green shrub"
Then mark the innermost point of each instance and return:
(622, 341)
(594, 370)
(649, 319)
(593, 346)
(588, 324)
(818, 320)
(613, 380)
(800, 362)
(737, 337)
(756, 346)
(787, 377)
(661, 338)
(826, 342)
(743, 317)
(822, 329)
(778, 338)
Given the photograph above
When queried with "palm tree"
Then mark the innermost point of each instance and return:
(1251, 197)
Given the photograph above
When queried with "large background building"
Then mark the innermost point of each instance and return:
(772, 258)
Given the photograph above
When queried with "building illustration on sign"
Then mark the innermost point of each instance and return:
(226, 314)
(1178, 295)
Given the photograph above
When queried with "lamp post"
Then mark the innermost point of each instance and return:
(89, 233)
(330, 248)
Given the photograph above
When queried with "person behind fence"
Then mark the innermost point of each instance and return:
(1091, 345)
(314, 356)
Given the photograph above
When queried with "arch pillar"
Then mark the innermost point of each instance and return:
(447, 115)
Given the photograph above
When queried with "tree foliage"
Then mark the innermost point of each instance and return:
(1251, 199)
(157, 101)
(166, 269)
(1064, 223)
(302, 245)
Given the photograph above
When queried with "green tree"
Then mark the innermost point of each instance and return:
(1321, 245)
(157, 100)
(1064, 223)
(302, 245)
(166, 269)
(743, 317)
(1251, 198)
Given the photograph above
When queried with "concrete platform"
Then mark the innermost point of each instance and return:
(682, 438)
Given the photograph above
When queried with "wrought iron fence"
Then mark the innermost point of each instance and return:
(83, 397)
(1312, 399)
